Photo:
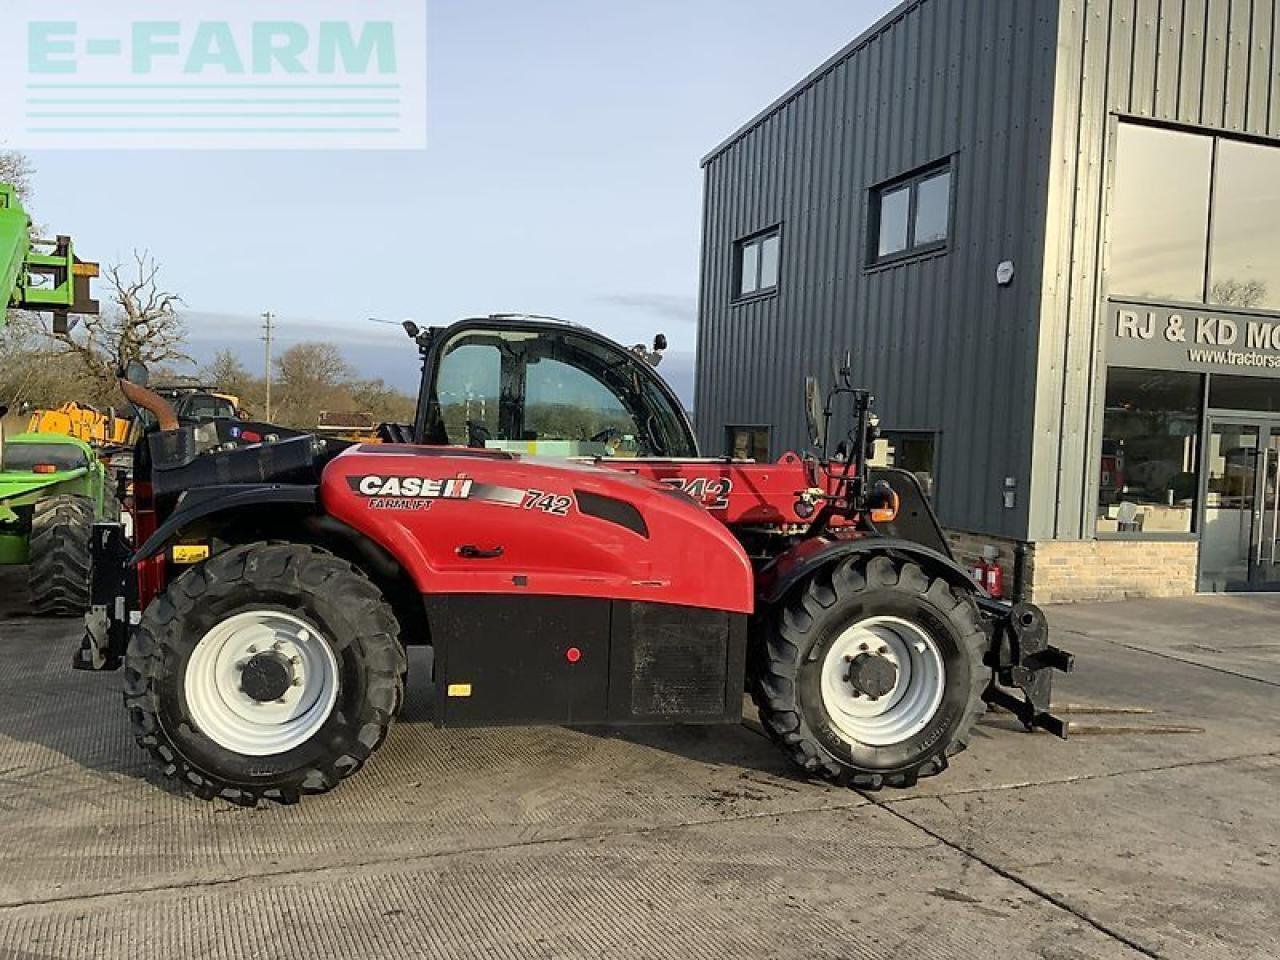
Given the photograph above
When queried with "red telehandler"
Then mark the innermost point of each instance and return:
(548, 527)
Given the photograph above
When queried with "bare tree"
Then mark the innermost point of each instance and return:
(1239, 293)
(227, 371)
(17, 171)
(381, 401)
(142, 323)
(311, 377)
(33, 371)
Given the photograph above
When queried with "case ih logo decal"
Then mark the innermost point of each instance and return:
(408, 493)
(418, 493)
(712, 494)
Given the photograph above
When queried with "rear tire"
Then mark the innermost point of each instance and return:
(281, 612)
(800, 668)
(59, 575)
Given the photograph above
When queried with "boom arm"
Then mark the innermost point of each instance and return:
(39, 275)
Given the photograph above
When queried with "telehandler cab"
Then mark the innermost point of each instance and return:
(550, 530)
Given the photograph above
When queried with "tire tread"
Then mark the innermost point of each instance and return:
(152, 648)
(60, 576)
(776, 658)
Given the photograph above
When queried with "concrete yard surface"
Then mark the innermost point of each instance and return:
(680, 843)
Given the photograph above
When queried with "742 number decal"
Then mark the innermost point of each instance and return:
(553, 503)
(712, 493)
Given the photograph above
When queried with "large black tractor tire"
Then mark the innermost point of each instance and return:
(348, 625)
(795, 648)
(59, 575)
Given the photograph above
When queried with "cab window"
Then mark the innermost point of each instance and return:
(552, 393)
(19, 457)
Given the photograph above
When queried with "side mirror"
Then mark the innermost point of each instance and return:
(814, 415)
(136, 372)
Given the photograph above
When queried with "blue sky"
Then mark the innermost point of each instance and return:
(561, 177)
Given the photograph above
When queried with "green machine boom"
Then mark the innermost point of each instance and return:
(40, 275)
(52, 488)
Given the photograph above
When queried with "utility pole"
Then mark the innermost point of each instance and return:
(268, 322)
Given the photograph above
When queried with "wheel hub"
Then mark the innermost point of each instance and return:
(872, 675)
(882, 680)
(261, 682)
(266, 677)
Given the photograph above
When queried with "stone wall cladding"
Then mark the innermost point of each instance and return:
(1068, 571)
(1071, 571)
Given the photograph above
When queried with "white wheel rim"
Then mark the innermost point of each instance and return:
(917, 691)
(227, 715)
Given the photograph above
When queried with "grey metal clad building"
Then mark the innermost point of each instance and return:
(1049, 231)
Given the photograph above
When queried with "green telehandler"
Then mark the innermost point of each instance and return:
(52, 488)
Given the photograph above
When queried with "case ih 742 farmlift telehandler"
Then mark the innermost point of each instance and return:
(263, 618)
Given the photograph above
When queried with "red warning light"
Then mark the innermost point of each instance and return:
(573, 654)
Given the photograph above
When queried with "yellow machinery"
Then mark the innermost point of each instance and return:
(84, 423)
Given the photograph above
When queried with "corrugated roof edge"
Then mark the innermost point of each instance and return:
(841, 55)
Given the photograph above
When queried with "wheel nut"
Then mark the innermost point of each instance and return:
(863, 647)
(253, 649)
(882, 651)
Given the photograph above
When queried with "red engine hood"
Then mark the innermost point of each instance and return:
(466, 521)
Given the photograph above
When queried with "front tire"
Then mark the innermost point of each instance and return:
(59, 575)
(267, 672)
(870, 674)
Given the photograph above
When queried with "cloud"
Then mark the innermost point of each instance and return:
(374, 350)
(675, 307)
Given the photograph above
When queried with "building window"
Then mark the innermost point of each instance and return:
(1150, 446)
(912, 450)
(1158, 249)
(1245, 247)
(756, 262)
(1213, 235)
(911, 215)
(748, 443)
(1244, 393)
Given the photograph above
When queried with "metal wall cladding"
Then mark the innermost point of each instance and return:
(943, 347)
(1206, 63)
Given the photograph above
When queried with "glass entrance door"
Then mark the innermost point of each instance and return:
(1266, 569)
(1240, 531)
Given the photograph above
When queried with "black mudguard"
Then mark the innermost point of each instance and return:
(114, 594)
(201, 502)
